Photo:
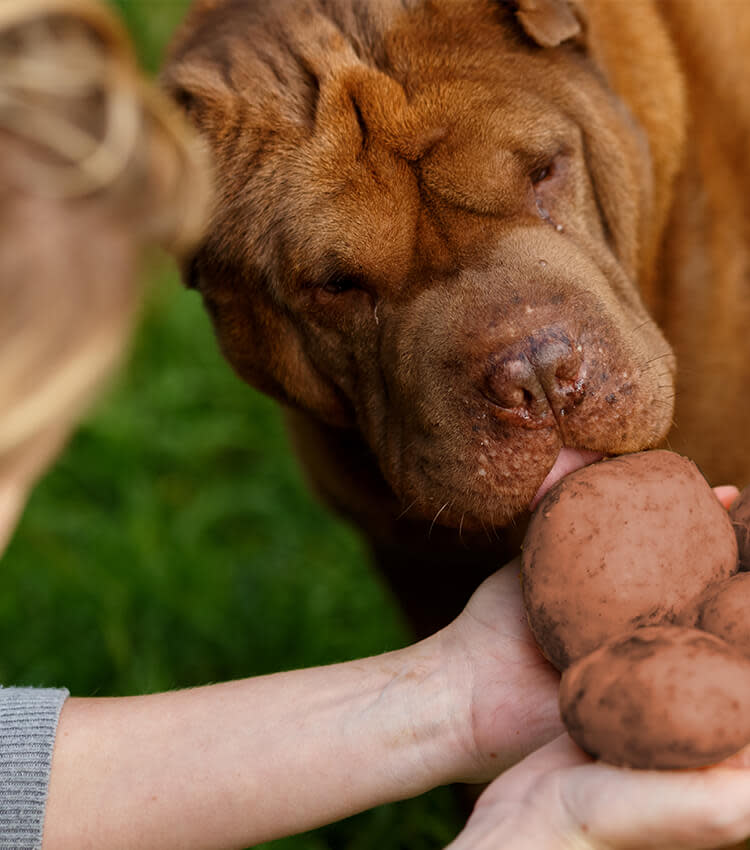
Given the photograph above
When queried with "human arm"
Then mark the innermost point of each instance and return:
(234, 764)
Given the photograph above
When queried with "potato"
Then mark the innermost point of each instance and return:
(659, 697)
(623, 543)
(724, 610)
(739, 514)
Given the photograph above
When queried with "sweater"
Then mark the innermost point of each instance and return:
(28, 724)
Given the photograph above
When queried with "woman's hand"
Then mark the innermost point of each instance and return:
(509, 691)
(505, 693)
(558, 797)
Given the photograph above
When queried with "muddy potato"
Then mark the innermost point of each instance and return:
(739, 514)
(724, 610)
(623, 543)
(660, 697)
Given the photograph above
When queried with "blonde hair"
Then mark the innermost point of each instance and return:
(94, 162)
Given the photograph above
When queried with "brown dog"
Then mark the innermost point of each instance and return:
(463, 240)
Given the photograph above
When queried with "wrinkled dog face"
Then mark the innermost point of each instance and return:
(428, 228)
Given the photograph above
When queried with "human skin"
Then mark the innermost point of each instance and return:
(558, 798)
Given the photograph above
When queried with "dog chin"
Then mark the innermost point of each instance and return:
(475, 513)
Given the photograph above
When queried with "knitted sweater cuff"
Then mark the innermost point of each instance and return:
(28, 724)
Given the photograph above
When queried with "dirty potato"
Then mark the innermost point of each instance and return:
(660, 697)
(724, 610)
(623, 543)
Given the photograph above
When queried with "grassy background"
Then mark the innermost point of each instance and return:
(174, 543)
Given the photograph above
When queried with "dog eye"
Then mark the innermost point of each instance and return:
(339, 283)
(539, 175)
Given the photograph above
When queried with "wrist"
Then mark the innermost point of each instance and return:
(428, 701)
(504, 697)
(458, 751)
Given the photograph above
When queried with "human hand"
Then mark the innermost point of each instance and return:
(726, 494)
(558, 797)
(507, 692)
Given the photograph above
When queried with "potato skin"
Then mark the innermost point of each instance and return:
(660, 697)
(724, 610)
(623, 543)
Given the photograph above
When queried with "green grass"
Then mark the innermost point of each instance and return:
(174, 543)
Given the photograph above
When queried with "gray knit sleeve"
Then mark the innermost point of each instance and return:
(28, 724)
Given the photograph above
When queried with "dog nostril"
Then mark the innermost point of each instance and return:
(515, 396)
(512, 384)
(537, 378)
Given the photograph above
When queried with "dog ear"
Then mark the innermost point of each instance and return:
(549, 22)
(200, 95)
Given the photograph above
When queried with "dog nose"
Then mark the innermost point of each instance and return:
(538, 380)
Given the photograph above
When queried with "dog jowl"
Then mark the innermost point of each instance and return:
(438, 227)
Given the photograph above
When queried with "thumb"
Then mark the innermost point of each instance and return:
(681, 810)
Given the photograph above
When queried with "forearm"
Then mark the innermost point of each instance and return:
(234, 764)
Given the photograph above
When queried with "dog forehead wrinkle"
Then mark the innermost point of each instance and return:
(275, 53)
(371, 232)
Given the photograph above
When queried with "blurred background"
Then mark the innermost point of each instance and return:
(174, 543)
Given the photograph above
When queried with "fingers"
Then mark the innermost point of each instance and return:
(572, 801)
(726, 494)
(687, 810)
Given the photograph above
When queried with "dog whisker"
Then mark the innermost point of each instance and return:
(495, 532)
(435, 518)
(658, 357)
(642, 325)
(486, 533)
(406, 510)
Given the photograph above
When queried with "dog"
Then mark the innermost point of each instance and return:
(471, 245)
